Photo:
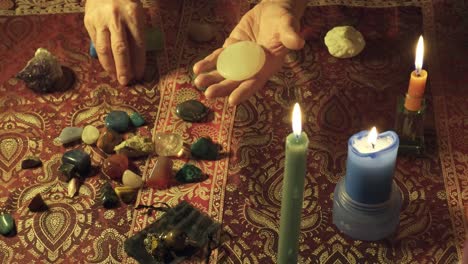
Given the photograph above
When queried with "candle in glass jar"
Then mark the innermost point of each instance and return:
(370, 166)
(417, 83)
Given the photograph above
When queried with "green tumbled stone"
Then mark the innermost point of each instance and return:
(154, 39)
(190, 173)
(80, 159)
(7, 224)
(109, 197)
(68, 171)
(205, 148)
(136, 119)
(117, 120)
(192, 111)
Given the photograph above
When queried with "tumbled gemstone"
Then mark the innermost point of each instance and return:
(37, 204)
(240, 61)
(90, 134)
(68, 171)
(108, 140)
(131, 179)
(192, 111)
(31, 162)
(114, 166)
(117, 120)
(72, 187)
(7, 224)
(204, 148)
(135, 146)
(126, 194)
(79, 159)
(161, 175)
(136, 119)
(154, 39)
(190, 173)
(168, 144)
(70, 134)
(92, 50)
(200, 32)
(109, 197)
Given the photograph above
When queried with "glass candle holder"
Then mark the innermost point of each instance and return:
(409, 125)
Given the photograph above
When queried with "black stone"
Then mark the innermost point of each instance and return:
(31, 162)
(37, 204)
(109, 197)
(192, 111)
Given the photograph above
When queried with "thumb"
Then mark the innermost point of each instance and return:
(289, 32)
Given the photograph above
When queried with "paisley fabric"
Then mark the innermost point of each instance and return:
(243, 191)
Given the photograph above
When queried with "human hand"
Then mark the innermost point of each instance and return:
(273, 25)
(116, 28)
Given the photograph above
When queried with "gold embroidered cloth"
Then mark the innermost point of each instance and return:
(338, 98)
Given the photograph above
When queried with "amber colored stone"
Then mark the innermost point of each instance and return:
(126, 194)
(161, 175)
(114, 166)
(108, 140)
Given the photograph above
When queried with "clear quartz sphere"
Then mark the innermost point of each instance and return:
(168, 144)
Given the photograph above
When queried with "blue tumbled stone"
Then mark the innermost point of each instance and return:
(117, 120)
(79, 159)
(92, 50)
(137, 119)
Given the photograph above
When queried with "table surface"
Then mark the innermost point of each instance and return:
(243, 191)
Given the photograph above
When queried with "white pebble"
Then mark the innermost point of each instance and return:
(132, 179)
(90, 135)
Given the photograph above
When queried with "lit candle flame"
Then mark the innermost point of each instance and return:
(297, 120)
(419, 55)
(372, 137)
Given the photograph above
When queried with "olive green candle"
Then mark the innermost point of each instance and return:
(293, 191)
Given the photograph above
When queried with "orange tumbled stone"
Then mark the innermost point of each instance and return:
(114, 166)
(161, 175)
(108, 140)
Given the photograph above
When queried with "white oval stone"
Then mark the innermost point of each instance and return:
(132, 179)
(241, 60)
(90, 135)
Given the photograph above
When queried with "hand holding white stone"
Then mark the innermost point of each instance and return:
(274, 27)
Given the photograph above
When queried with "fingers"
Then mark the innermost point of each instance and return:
(289, 28)
(245, 90)
(221, 89)
(136, 38)
(208, 63)
(121, 53)
(104, 50)
(207, 79)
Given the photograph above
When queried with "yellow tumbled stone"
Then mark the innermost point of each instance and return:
(241, 61)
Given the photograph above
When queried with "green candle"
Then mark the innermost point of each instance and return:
(293, 191)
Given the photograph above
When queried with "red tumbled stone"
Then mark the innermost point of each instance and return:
(114, 166)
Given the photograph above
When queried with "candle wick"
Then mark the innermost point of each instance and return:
(418, 72)
(373, 145)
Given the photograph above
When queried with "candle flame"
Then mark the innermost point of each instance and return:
(297, 120)
(372, 137)
(419, 55)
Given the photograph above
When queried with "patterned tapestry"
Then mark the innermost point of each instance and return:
(339, 97)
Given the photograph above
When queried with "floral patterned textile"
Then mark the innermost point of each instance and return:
(338, 97)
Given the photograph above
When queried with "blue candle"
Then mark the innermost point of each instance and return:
(370, 166)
